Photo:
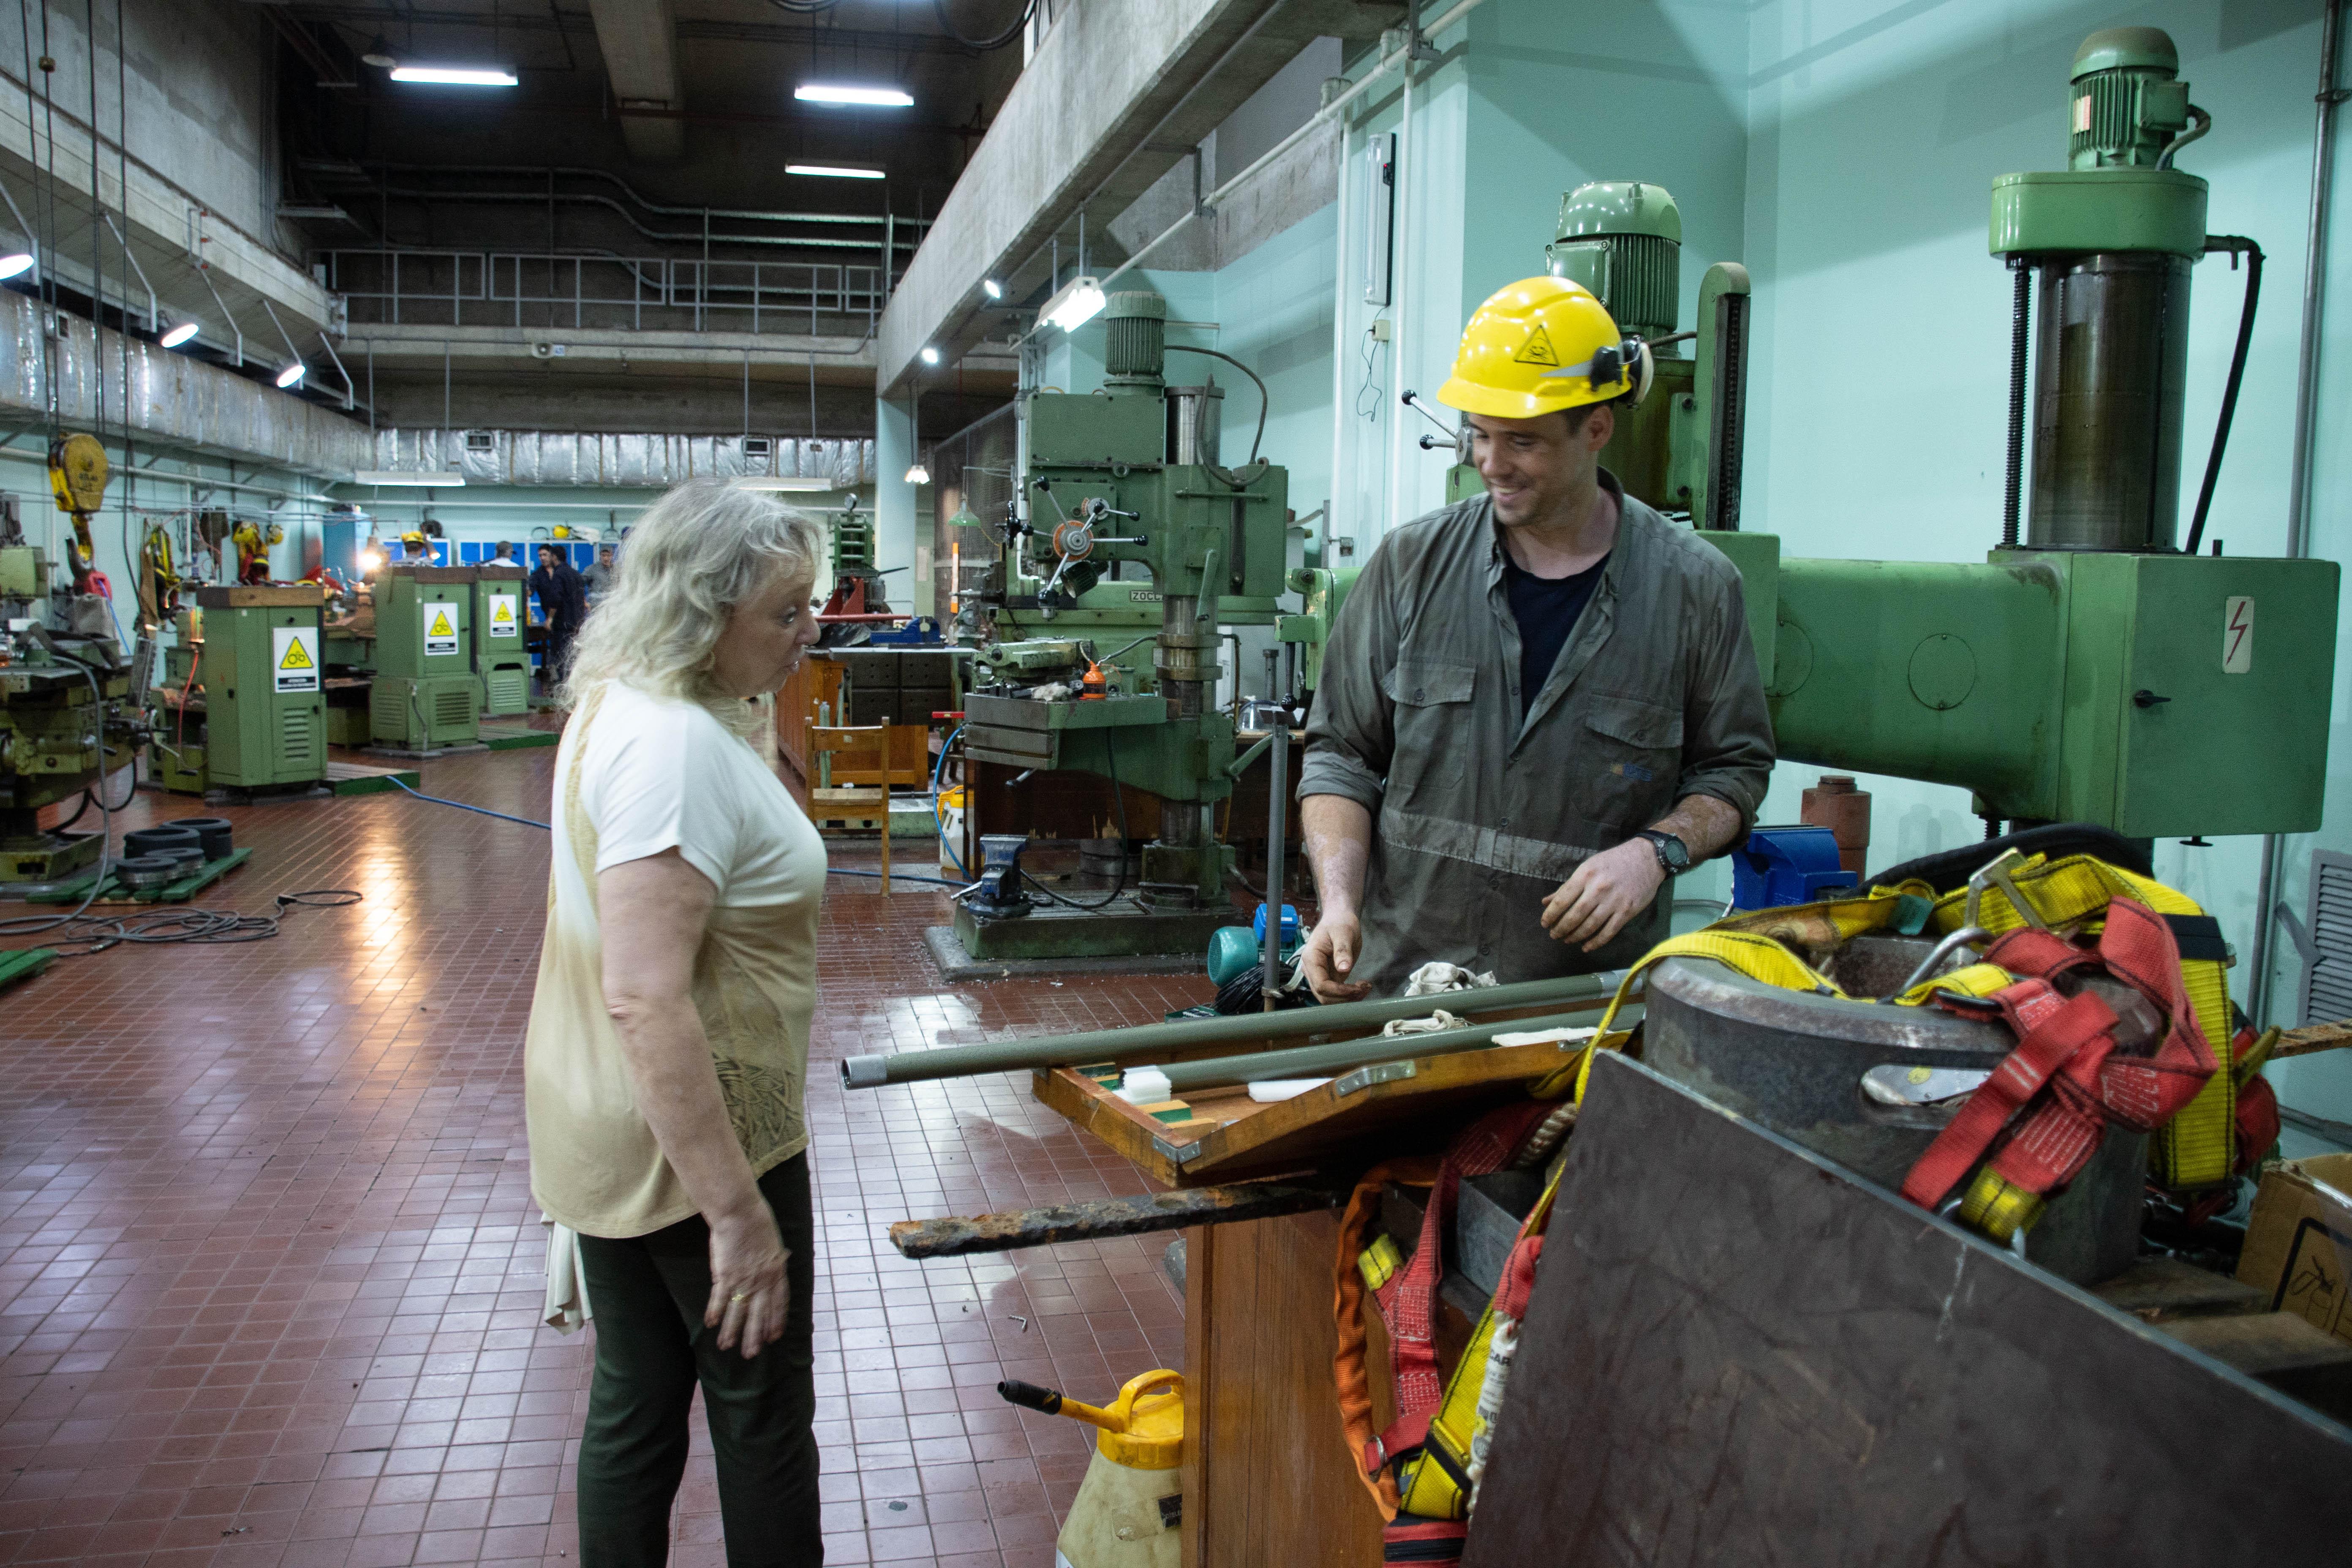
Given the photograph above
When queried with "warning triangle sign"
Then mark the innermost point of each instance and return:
(503, 614)
(441, 626)
(1537, 350)
(297, 656)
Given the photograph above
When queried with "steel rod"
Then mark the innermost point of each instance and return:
(1343, 1056)
(1146, 1042)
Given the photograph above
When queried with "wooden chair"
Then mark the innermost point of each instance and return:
(840, 751)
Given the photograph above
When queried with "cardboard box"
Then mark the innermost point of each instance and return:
(2299, 1241)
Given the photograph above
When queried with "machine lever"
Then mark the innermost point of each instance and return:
(2143, 698)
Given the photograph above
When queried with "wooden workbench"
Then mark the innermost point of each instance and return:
(1268, 1477)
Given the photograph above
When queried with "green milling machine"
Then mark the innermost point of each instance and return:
(2095, 667)
(69, 710)
(1140, 539)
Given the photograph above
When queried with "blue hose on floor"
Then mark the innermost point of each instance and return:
(528, 822)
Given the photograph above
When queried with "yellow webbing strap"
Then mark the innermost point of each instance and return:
(2196, 1148)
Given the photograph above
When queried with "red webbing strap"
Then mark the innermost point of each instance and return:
(1518, 1277)
(2069, 1047)
(2049, 1029)
(1348, 1371)
(1409, 1300)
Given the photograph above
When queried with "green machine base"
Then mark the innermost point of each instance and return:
(1123, 929)
(51, 858)
(429, 714)
(506, 689)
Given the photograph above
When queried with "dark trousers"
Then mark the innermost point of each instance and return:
(556, 659)
(649, 1294)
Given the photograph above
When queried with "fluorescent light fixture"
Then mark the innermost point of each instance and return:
(15, 265)
(178, 332)
(456, 76)
(867, 96)
(918, 475)
(992, 287)
(832, 171)
(803, 486)
(409, 476)
(292, 375)
(930, 354)
(379, 55)
(1073, 304)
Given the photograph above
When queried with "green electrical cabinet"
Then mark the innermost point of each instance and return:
(264, 676)
(426, 696)
(501, 663)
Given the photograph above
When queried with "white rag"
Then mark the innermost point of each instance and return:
(566, 1307)
(1437, 977)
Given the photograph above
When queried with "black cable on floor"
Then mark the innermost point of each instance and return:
(166, 923)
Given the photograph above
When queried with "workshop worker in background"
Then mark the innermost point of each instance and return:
(415, 550)
(665, 1065)
(505, 555)
(564, 603)
(598, 578)
(1538, 706)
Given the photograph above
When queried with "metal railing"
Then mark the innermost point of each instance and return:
(637, 293)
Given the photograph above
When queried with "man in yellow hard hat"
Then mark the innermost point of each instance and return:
(1538, 706)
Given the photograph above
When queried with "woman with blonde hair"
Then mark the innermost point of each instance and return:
(666, 1058)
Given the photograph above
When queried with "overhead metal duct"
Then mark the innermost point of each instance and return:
(174, 400)
(640, 462)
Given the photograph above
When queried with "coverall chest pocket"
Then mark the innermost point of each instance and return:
(1630, 757)
(1434, 739)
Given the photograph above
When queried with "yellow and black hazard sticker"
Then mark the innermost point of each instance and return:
(294, 659)
(440, 627)
(1538, 349)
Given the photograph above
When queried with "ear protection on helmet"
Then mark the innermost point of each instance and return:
(1631, 359)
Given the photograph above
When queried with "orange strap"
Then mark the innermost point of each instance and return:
(1348, 1370)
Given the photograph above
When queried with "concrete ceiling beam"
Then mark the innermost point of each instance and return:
(638, 39)
(1114, 97)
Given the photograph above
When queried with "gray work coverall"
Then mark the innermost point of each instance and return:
(1477, 817)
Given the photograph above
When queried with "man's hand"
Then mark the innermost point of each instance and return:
(1330, 955)
(749, 1299)
(1591, 907)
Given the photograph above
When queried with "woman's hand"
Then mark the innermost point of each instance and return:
(749, 1299)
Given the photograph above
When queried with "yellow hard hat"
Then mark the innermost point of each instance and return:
(411, 537)
(1540, 346)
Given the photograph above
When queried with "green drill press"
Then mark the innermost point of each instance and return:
(502, 664)
(426, 698)
(1119, 481)
(2096, 669)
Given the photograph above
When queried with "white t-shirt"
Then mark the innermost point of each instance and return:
(639, 775)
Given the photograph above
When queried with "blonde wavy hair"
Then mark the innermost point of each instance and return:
(693, 555)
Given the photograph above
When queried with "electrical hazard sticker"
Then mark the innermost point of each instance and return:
(294, 659)
(1538, 349)
(440, 628)
(2238, 634)
(506, 616)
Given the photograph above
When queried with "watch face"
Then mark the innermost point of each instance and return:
(1671, 851)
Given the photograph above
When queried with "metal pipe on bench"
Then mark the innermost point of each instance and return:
(1344, 1056)
(1149, 1042)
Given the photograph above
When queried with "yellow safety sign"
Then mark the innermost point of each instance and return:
(504, 614)
(440, 627)
(294, 655)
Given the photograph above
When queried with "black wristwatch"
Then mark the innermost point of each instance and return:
(1673, 855)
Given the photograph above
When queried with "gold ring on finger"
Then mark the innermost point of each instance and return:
(737, 1298)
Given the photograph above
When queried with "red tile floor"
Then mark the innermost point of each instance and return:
(271, 1275)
